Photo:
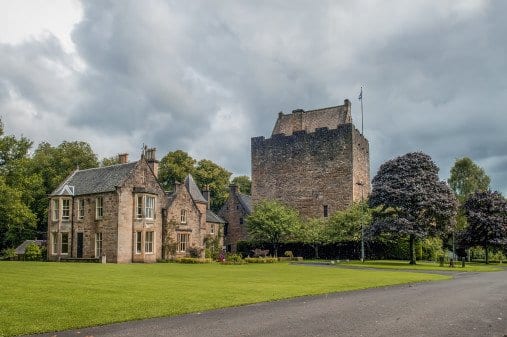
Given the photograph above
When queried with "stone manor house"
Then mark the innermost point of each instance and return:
(121, 212)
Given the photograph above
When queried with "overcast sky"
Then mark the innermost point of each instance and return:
(206, 76)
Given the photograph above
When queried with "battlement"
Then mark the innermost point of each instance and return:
(309, 121)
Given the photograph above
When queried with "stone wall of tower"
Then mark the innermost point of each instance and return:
(309, 171)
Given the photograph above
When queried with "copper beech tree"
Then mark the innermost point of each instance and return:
(410, 201)
(486, 214)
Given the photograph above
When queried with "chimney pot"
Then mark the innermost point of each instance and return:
(123, 158)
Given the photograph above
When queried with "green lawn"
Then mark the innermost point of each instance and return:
(41, 297)
(422, 265)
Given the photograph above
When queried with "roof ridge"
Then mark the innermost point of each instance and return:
(106, 167)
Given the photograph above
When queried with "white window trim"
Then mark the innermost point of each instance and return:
(146, 208)
(139, 207)
(99, 249)
(67, 217)
(183, 216)
(179, 242)
(61, 243)
(139, 239)
(212, 229)
(146, 243)
(54, 243)
(97, 216)
(80, 208)
(55, 210)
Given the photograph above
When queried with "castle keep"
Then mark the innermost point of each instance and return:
(315, 161)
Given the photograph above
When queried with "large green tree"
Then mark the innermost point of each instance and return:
(244, 183)
(346, 225)
(273, 222)
(410, 200)
(486, 214)
(313, 232)
(19, 190)
(175, 166)
(54, 164)
(467, 178)
(216, 178)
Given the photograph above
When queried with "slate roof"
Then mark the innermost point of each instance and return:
(96, 180)
(194, 191)
(21, 249)
(246, 202)
(212, 217)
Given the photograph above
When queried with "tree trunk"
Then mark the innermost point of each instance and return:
(316, 248)
(412, 249)
(275, 248)
(487, 252)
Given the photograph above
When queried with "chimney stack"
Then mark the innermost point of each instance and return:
(150, 155)
(123, 158)
(207, 195)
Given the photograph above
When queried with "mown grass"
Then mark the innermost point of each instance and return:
(41, 297)
(423, 265)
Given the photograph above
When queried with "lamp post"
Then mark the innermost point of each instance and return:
(360, 183)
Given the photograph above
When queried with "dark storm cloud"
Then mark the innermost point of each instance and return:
(205, 76)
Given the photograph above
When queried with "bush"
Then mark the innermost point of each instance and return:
(189, 260)
(233, 259)
(261, 259)
(288, 253)
(195, 252)
(33, 252)
(9, 254)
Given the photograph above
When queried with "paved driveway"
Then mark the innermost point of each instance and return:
(473, 304)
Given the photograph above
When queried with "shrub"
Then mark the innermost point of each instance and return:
(190, 260)
(233, 259)
(261, 260)
(9, 254)
(33, 252)
(195, 252)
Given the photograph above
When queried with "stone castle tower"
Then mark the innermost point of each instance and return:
(315, 161)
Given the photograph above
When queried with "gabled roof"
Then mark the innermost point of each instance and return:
(246, 202)
(194, 191)
(212, 217)
(96, 180)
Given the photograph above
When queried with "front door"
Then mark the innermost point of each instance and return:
(79, 245)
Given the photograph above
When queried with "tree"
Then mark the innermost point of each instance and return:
(17, 221)
(109, 161)
(411, 201)
(244, 183)
(175, 166)
(486, 214)
(216, 178)
(53, 165)
(346, 225)
(314, 233)
(467, 178)
(272, 222)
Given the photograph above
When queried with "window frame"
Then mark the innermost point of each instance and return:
(98, 245)
(56, 210)
(65, 209)
(183, 216)
(99, 208)
(139, 206)
(326, 211)
(54, 243)
(64, 243)
(149, 242)
(212, 229)
(80, 208)
(139, 242)
(182, 243)
(149, 210)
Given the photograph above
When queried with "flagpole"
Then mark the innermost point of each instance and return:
(362, 127)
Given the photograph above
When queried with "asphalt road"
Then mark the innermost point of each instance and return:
(473, 304)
